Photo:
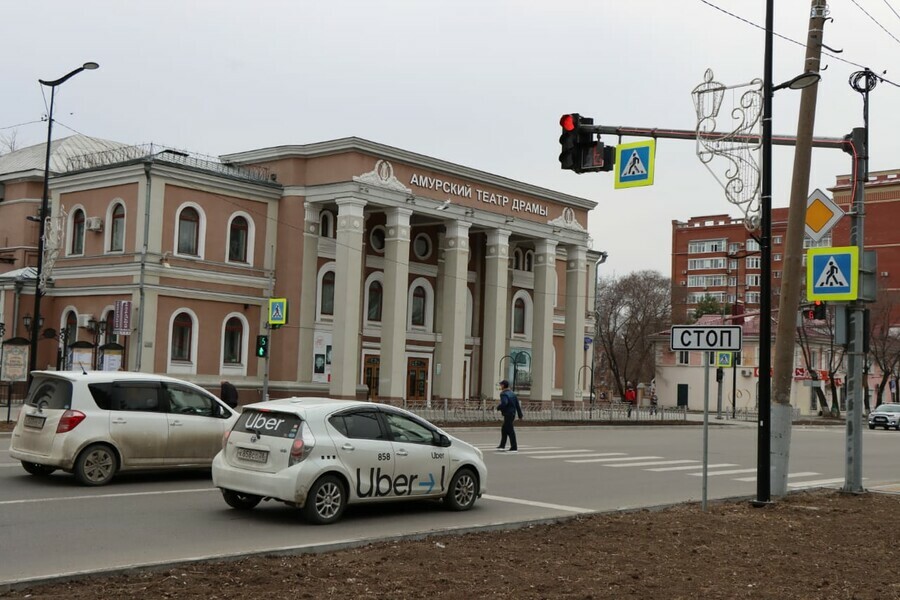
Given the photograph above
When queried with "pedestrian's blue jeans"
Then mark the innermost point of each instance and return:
(507, 430)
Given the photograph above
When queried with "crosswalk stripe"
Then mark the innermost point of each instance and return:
(600, 460)
(532, 451)
(806, 474)
(689, 467)
(731, 472)
(578, 455)
(492, 447)
(653, 463)
(818, 483)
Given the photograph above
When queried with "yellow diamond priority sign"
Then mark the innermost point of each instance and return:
(821, 215)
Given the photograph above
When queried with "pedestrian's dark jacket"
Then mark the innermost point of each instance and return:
(509, 404)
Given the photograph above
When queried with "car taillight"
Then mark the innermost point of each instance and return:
(69, 420)
(225, 438)
(303, 445)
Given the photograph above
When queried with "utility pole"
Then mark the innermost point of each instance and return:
(792, 275)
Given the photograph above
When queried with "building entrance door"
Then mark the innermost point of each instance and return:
(682, 394)
(417, 379)
(370, 375)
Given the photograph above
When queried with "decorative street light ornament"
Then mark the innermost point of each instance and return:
(54, 227)
(739, 147)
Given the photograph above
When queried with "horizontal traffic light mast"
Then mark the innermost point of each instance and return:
(691, 134)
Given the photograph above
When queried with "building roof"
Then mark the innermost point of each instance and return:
(29, 162)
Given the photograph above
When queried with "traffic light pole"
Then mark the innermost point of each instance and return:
(692, 135)
(265, 390)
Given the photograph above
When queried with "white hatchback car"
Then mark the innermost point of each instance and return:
(99, 423)
(320, 455)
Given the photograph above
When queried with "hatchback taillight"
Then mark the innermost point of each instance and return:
(225, 438)
(303, 445)
(69, 420)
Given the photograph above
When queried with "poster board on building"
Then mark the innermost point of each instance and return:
(321, 357)
(15, 360)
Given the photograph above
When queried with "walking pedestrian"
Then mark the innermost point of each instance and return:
(654, 402)
(630, 398)
(509, 407)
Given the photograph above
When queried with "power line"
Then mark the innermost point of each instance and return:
(874, 20)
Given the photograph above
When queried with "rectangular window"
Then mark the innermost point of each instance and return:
(776, 240)
(752, 262)
(706, 263)
(752, 297)
(776, 257)
(752, 245)
(684, 357)
(823, 243)
(702, 246)
(753, 280)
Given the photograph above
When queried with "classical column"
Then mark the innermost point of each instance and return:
(309, 278)
(347, 298)
(496, 309)
(576, 295)
(392, 376)
(542, 364)
(453, 313)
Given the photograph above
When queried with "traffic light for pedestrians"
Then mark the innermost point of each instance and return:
(262, 346)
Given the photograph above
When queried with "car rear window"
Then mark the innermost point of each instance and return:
(270, 423)
(50, 393)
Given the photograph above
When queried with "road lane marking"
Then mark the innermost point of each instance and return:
(94, 497)
(731, 472)
(573, 509)
(689, 467)
(578, 455)
(653, 463)
(532, 451)
(819, 483)
(806, 474)
(492, 447)
(601, 460)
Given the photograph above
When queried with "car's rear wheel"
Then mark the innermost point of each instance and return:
(463, 490)
(96, 465)
(326, 501)
(240, 500)
(37, 469)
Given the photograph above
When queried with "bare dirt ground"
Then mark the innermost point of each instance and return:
(808, 545)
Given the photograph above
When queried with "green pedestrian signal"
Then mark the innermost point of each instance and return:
(262, 346)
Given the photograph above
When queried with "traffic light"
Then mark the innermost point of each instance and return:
(819, 310)
(262, 346)
(580, 152)
(570, 154)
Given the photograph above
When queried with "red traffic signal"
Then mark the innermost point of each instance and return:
(569, 122)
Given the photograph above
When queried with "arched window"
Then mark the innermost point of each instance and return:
(237, 240)
(517, 259)
(77, 232)
(529, 260)
(327, 297)
(376, 293)
(117, 228)
(182, 329)
(418, 306)
(233, 342)
(519, 316)
(326, 224)
(189, 232)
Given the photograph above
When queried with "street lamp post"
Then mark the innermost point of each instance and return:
(45, 210)
(764, 431)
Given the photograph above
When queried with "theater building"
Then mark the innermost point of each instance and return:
(405, 278)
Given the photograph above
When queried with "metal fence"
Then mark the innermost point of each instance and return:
(469, 412)
(12, 394)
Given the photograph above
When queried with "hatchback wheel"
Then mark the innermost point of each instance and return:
(871, 427)
(37, 469)
(463, 490)
(239, 500)
(326, 501)
(96, 465)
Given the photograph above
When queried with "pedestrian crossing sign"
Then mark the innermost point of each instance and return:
(832, 273)
(277, 312)
(635, 164)
(723, 359)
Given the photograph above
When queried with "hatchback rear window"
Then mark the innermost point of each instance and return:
(50, 393)
(270, 423)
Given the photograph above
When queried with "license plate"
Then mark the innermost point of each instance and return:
(34, 421)
(259, 456)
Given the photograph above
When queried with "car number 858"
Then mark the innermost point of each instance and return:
(384, 456)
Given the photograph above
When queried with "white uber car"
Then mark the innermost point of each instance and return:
(320, 455)
(98, 423)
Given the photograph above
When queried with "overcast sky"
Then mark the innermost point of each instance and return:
(481, 83)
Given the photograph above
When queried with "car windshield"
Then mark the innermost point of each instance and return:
(50, 392)
(891, 408)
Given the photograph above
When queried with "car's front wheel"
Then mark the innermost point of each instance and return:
(326, 501)
(37, 469)
(871, 427)
(96, 465)
(240, 500)
(463, 490)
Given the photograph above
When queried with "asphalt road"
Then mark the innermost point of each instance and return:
(54, 526)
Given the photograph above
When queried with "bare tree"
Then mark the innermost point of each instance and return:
(631, 309)
(822, 331)
(8, 141)
(884, 339)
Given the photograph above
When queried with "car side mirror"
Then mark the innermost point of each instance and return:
(443, 441)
